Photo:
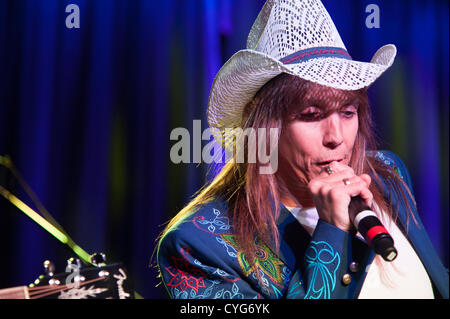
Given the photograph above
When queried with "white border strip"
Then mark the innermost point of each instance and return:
(362, 215)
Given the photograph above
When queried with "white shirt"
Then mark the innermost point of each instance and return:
(403, 278)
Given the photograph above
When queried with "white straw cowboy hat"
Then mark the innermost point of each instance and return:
(296, 37)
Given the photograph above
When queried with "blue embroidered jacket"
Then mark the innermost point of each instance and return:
(200, 257)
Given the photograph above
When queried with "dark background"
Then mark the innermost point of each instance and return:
(86, 115)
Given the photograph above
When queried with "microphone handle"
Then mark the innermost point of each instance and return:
(371, 228)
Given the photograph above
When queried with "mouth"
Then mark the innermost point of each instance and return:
(325, 163)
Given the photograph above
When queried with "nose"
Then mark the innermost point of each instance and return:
(332, 131)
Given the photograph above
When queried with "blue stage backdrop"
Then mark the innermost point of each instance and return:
(86, 115)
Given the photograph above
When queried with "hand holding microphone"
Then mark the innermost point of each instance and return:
(343, 199)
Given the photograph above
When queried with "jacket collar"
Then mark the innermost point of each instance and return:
(293, 239)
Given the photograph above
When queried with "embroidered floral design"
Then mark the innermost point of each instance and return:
(266, 260)
(218, 223)
(324, 263)
(231, 251)
(192, 294)
(388, 161)
(229, 294)
(185, 275)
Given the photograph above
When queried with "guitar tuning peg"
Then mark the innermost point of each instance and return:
(98, 259)
(49, 268)
(74, 261)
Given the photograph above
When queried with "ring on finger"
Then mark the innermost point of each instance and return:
(346, 181)
(328, 170)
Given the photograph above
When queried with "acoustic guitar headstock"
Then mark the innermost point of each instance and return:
(80, 282)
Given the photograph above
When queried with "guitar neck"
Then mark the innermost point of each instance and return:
(20, 292)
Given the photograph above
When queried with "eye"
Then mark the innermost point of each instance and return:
(311, 113)
(349, 111)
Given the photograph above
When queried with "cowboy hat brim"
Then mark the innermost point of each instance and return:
(247, 71)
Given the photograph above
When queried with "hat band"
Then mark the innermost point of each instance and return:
(316, 52)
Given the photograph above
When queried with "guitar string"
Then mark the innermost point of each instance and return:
(35, 290)
(41, 294)
(58, 286)
(50, 291)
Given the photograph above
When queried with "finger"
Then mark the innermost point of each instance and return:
(337, 166)
(355, 186)
(327, 171)
(367, 196)
(358, 188)
(367, 179)
(338, 176)
(355, 179)
(334, 167)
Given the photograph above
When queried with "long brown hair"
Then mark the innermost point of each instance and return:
(253, 198)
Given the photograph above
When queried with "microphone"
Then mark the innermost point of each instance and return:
(373, 231)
